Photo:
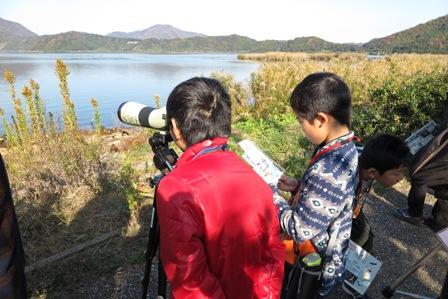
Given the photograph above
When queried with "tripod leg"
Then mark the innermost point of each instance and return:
(444, 294)
(151, 248)
(412, 295)
(161, 289)
(389, 290)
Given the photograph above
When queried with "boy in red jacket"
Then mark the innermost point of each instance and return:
(219, 233)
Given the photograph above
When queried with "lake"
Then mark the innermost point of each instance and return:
(112, 78)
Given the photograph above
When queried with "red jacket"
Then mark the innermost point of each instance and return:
(219, 231)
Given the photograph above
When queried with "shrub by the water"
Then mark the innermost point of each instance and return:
(96, 116)
(239, 95)
(69, 114)
(402, 108)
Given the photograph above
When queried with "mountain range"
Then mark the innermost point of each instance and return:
(157, 31)
(430, 37)
(10, 29)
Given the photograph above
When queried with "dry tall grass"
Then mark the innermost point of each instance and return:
(302, 56)
(273, 83)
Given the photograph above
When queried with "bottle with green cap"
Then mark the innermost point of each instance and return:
(312, 260)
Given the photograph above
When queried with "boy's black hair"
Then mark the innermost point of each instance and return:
(201, 108)
(323, 92)
(384, 152)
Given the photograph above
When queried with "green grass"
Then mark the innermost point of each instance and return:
(280, 137)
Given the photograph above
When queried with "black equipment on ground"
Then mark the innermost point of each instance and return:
(164, 160)
(136, 114)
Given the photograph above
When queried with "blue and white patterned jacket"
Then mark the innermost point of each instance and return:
(326, 198)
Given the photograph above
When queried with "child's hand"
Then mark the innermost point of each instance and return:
(286, 183)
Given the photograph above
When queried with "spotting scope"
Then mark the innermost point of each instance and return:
(136, 114)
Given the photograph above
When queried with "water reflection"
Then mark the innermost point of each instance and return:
(113, 78)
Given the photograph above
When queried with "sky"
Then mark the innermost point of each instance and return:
(333, 20)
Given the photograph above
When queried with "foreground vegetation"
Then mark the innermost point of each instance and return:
(72, 185)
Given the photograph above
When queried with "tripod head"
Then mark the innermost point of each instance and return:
(164, 157)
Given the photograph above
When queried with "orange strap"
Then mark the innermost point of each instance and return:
(297, 250)
(290, 252)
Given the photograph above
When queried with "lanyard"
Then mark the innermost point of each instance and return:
(210, 149)
(360, 196)
(358, 191)
(337, 145)
(318, 154)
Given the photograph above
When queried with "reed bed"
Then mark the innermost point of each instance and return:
(273, 83)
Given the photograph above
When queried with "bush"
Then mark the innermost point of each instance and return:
(239, 95)
(402, 108)
(272, 86)
(280, 138)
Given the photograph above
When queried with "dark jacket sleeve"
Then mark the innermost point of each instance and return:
(430, 163)
(12, 257)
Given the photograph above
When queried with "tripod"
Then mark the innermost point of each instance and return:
(389, 291)
(164, 160)
(444, 294)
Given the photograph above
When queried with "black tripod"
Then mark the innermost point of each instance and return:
(164, 160)
(444, 294)
(389, 291)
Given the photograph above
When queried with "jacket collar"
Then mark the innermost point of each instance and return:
(194, 150)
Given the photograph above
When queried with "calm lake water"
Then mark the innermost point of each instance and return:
(112, 78)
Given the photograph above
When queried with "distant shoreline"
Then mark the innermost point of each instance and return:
(124, 52)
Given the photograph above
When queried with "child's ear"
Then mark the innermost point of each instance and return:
(178, 138)
(321, 119)
(372, 173)
(175, 132)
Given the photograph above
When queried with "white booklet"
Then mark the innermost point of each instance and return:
(443, 236)
(362, 268)
(269, 171)
(421, 137)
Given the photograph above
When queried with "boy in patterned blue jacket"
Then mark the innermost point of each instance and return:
(323, 213)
